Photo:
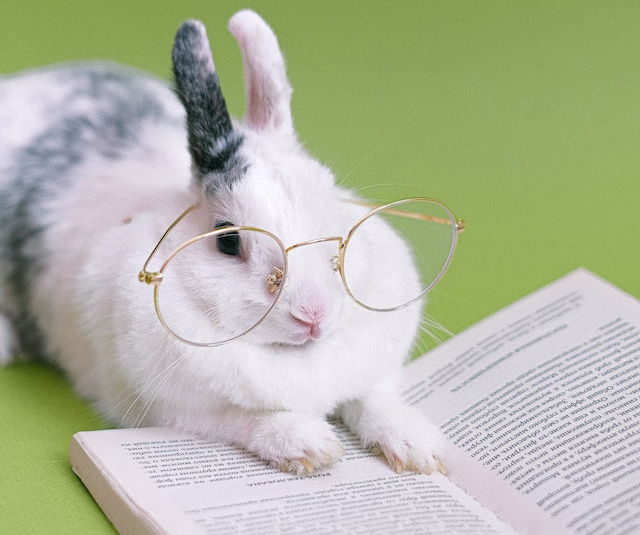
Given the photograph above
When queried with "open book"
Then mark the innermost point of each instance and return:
(541, 402)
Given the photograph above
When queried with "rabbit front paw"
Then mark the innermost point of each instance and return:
(408, 454)
(400, 434)
(295, 442)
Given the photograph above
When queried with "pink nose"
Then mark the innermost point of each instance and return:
(310, 320)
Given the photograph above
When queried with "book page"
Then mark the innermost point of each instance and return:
(160, 481)
(545, 394)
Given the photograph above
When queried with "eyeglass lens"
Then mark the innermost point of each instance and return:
(217, 289)
(379, 268)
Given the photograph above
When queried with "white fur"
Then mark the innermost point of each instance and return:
(7, 341)
(270, 390)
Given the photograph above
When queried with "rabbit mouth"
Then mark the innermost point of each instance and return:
(299, 338)
(307, 330)
(301, 334)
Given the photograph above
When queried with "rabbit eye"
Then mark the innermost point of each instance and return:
(228, 242)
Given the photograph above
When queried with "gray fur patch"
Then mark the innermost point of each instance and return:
(41, 171)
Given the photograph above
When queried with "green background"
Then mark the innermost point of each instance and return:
(523, 117)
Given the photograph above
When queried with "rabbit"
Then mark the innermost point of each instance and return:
(96, 160)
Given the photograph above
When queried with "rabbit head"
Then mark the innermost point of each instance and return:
(255, 173)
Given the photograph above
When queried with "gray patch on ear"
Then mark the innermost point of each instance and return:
(234, 172)
(213, 143)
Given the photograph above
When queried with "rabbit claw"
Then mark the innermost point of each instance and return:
(440, 465)
(301, 466)
(398, 465)
(306, 463)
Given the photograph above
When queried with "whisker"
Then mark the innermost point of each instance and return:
(164, 377)
(420, 347)
(125, 398)
(385, 199)
(431, 334)
(175, 394)
(155, 382)
(364, 159)
(434, 329)
(437, 326)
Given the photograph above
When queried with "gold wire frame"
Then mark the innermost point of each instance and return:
(278, 277)
(457, 226)
(156, 277)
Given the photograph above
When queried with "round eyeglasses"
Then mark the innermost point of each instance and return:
(251, 269)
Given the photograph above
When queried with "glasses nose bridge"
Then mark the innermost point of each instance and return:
(313, 242)
(275, 280)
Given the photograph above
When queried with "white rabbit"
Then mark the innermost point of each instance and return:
(95, 164)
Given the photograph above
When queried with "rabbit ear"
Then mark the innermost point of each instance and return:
(268, 93)
(211, 142)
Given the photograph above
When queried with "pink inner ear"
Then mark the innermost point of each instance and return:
(268, 92)
(260, 112)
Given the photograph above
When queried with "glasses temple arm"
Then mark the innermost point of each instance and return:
(146, 276)
(460, 225)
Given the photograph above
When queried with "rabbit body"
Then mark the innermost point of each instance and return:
(96, 162)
